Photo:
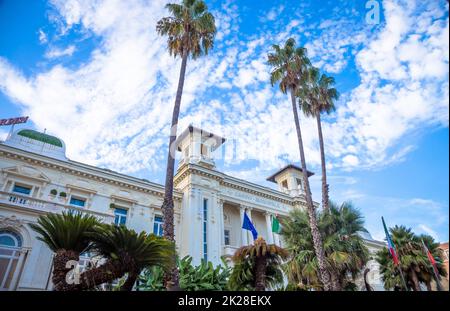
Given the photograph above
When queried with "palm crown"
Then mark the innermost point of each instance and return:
(130, 248)
(190, 29)
(289, 65)
(319, 94)
(344, 248)
(68, 231)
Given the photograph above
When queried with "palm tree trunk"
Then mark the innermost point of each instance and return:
(325, 188)
(171, 279)
(415, 280)
(129, 283)
(260, 273)
(108, 272)
(335, 280)
(317, 239)
(60, 269)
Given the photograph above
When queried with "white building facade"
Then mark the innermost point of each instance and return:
(36, 178)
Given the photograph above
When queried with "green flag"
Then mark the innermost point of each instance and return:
(276, 227)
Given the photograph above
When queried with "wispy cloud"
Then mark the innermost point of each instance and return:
(120, 96)
(54, 52)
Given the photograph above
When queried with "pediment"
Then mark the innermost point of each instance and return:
(26, 171)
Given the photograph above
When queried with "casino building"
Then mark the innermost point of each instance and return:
(36, 178)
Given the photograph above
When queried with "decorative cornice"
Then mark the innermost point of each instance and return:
(234, 183)
(45, 162)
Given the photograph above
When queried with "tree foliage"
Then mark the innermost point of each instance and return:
(344, 248)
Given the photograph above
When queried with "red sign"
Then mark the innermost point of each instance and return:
(12, 121)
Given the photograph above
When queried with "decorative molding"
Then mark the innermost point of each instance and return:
(63, 168)
(11, 222)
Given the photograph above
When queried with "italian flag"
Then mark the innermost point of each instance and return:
(430, 258)
(276, 226)
(391, 246)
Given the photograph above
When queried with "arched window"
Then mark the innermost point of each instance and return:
(10, 246)
(10, 238)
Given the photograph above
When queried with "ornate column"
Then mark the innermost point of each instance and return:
(249, 233)
(221, 224)
(269, 228)
(243, 232)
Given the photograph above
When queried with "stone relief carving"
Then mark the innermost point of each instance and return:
(11, 222)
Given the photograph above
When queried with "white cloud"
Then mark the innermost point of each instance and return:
(56, 52)
(42, 37)
(429, 231)
(114, 108)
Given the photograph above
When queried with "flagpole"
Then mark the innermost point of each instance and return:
(392, 251)
(403, 278)
(436, 276)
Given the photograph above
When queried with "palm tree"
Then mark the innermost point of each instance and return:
(318, 97)
(190, 30)
(426, 274)
(254, 261)
(290, 66)
(67, 235)
(344, 248)
(413, 260)
(126, 252)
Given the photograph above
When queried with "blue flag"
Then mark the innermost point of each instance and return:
(247, 225)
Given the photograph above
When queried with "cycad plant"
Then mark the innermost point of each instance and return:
(67, 235)
(122, 251)
(190, 29)
(257, 266)
(126, 251)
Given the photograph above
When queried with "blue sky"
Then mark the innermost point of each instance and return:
(96, 74)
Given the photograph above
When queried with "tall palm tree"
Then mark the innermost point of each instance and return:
(344, 248)
(67, 235)
(317, 98)
(253, 262)
(290, 65)
(190, 30)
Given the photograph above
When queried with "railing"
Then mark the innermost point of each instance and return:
(47, 206)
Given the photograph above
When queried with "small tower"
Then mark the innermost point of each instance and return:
(290, 180)
(197, 146)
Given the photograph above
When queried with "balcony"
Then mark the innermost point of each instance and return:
(46, 206)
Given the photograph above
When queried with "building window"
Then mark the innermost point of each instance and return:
(10, 244)
(204, 150)
(77, 201)
(158, 226)
(299, 182)
(205, 231)
(22, 189)
(120, 216)
(226, 234)
(10, 239)
(284, 184)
